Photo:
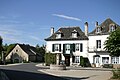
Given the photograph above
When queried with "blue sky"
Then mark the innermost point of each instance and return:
(29, 21)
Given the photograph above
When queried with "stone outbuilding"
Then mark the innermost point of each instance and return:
(23, 53)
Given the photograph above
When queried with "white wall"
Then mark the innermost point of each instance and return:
(20, 52)
(84, 42)
(92, 41)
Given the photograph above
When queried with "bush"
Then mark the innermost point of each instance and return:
(108, 66)
(84, 62)
(50, 58)
(116, 74)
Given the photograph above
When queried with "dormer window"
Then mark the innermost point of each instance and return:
(112, 27)
(58, 34)
(74, 34)
(98, 29)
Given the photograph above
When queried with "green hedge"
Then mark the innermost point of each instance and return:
(108, 66)
(84, 62)
(50, 58)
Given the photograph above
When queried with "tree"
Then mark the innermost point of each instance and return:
(1, 45)
(9, 48)
(41, 50)
(112, 44)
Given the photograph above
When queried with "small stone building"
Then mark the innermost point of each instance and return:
(23, 53)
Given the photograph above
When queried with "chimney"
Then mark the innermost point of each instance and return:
(86, 28)
(96, 24)
(52, 30)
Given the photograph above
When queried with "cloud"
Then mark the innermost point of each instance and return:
(35, 38)
(67, 17)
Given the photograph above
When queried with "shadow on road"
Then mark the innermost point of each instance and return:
(21, 75)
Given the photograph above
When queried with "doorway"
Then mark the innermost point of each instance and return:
(67, 60)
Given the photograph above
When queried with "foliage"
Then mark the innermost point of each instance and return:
(84, 62)
(108, 66)
(41, 49)
(81, 61)
(116, 74)
(0, 46)
(112, 44)
(50, 58)
(9, 48)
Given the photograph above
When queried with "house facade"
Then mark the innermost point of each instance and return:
(71, 43)
(23, 53)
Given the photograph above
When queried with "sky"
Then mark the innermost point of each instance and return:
(29, 21)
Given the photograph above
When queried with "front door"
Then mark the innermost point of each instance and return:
(67, 60)
(97, 61)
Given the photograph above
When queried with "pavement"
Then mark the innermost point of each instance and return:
(72, 73)
(79, 73)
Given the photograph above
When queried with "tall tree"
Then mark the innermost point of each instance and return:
(1, 46)
(112, 44)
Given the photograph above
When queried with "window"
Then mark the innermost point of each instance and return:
(77, 47)
(77, 59)
(81, 47)
(16, 50)
(112, 28)
(56, 47)
(97, 60)
(74, 35)
(98, 43)
(98, 29)
(105, 60)
(67, 47)
(58, 35)
(115, 60)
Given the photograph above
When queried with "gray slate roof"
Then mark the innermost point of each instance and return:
(105, 27)
(28, 49)
(67, 34)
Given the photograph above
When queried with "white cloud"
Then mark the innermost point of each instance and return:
(67, 17)
(35, 38)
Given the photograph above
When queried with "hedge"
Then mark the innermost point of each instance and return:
(50, 58)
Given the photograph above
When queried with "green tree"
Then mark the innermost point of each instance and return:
(41, 50)
(112, 44)
(9, 48)
(1, 46)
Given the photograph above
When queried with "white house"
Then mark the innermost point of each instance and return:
(71, 43)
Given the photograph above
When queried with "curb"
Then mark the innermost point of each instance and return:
(12, 64)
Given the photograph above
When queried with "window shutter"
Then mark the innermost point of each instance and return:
(63, 48)
(59, 47)
(53, 47)
(97, 43)
(73, 47)
(81, 47)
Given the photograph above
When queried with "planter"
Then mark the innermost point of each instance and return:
(57, 67)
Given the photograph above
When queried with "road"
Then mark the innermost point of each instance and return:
(27, 71)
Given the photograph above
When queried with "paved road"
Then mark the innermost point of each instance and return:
(27, 71)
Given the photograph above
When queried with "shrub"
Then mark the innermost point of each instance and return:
(116, 74)
(50, 58)
(108, 66)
